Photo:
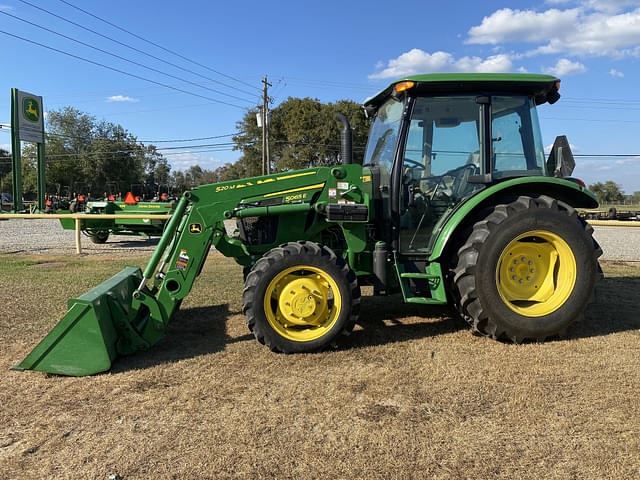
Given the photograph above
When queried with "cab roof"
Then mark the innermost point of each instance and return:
(538, 86)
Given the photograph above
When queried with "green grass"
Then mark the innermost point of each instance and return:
(410, 394)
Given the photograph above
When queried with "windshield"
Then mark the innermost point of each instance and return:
(382, 138)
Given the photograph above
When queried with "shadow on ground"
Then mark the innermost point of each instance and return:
(193, 332)
(383, 320)
(387, 320)
(132, 243)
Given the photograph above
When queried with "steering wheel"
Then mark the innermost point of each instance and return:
(414, 164)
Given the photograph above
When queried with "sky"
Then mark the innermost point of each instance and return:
(207, 59)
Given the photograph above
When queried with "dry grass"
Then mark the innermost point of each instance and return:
(405, 396)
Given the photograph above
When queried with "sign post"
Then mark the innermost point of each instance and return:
(27, 124)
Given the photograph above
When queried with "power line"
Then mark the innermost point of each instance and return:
(7, 128)
(124, 58)
(612, 155)
(156, 45)
(600, 100)
(73, 157)
(121, 71)
(136, 151)
(133, 48)
(327, 83)
(190, 139)
(106, 152)
(591, 120)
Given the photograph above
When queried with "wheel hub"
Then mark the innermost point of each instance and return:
(536, 273)
(525, 271)
(303, 301)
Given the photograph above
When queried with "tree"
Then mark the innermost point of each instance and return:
(636, 198)
(608, 192)
(303, 132)
(5, 171)
(81, 149)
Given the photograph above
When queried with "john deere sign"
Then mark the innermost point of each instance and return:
(30, 124)
(26, 125)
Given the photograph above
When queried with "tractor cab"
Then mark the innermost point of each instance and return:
(436, 140)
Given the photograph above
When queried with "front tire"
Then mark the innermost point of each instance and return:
(300, 297)
(527, 270)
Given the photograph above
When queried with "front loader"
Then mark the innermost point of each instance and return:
(454, 204)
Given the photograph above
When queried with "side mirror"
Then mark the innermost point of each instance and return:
(560, 162)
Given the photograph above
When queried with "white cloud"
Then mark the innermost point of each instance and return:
(419, 61)
(629, 162)
(590, 30)
(573, 148)
(121, 98)
(609, 6)
(615, 73)
(565, 67)
(5, 8)
(507, 25)
(182, 161)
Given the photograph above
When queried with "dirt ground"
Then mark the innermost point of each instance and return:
(410, 394)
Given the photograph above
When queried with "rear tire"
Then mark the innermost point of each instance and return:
(300, 297)
(99, 237)
(527, 270)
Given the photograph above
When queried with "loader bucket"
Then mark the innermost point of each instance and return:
(87, 339)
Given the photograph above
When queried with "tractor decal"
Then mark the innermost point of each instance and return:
(30, 109)
(195, 228)
(283, 192)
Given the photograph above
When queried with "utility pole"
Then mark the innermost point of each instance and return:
(266, 166)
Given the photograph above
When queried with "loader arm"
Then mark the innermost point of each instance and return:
(132, 310)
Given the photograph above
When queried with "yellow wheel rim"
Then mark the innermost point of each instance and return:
(536, 273)
(302, 303)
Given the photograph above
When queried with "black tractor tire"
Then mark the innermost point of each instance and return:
(482, 279)
(283, 271)
(99, 237)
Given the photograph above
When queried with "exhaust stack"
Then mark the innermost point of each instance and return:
(346, 137)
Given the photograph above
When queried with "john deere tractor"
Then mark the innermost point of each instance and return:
(454, 204)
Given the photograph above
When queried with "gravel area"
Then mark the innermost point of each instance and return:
(619, 243)
(46, 237)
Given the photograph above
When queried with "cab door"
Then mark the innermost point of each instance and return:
(442, 151)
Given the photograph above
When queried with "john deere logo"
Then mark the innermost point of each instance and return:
(195, 228)
(30, 109)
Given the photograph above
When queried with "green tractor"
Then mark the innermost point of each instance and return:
(454, 204)
(98, 229)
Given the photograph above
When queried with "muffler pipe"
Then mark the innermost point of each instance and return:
(346, 137)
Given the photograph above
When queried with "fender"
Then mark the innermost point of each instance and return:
(565, 190)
